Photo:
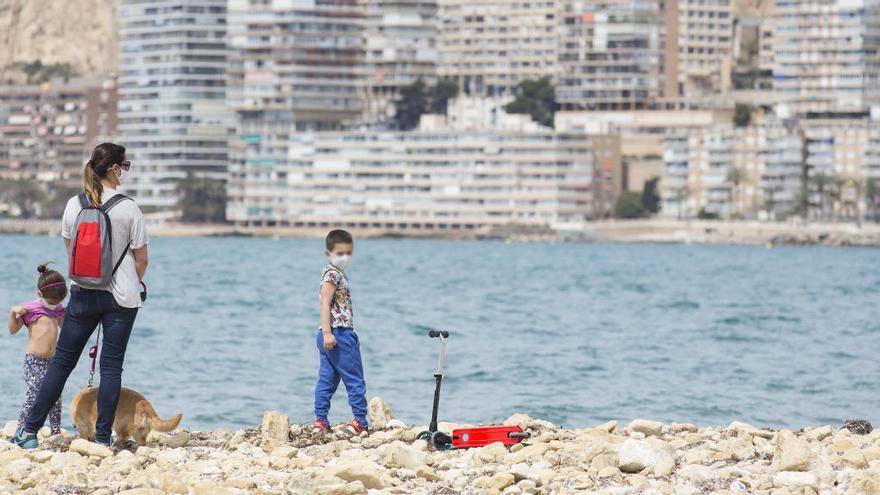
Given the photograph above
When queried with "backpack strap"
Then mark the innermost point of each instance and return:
(115, 200)
(119, 262)
(83, 200)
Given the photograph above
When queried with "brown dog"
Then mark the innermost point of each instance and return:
(135, 416)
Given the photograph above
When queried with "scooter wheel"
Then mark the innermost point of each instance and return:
(425, 435)
(441, 440)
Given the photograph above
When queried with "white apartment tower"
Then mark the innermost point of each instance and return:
(705, 39)
(401, 48)
(173, 118)
(610, 55)
(297, 61)
(489, 46)
(826, 55)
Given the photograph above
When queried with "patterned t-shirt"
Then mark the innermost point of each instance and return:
(341, 312)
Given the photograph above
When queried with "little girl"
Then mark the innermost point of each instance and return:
(43, 317)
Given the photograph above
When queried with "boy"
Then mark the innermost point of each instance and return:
(338, 344)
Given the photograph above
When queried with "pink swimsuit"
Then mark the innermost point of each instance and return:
(36, 310)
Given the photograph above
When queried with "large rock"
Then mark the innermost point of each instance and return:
(795, 480)
(400, 455)
(275, 430)
(379, 413)
(855, 458)
(736, 449)
(820, 433)
(653, 454)
(647, 427)
(525, 421)
(353, 488)
(696, 473)
(792, 453)
(427, 473)
(63, 460)
(178, 440)
(489, 454)
(86, 448)
(371, 475)
(9, 429)
(495, 484)
(536, 450)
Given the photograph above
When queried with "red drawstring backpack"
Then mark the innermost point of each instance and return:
(91, 257)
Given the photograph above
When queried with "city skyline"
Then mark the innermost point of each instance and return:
(221, 90)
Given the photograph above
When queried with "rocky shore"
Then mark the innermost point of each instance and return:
(644, 457)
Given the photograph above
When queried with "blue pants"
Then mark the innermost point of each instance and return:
(87, 308)
(342, 362)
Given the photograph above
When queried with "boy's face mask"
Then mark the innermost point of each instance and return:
(341, 261)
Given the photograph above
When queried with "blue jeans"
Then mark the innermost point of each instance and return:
(86, 309)
(342, 362)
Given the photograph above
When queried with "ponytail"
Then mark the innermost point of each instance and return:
(92, 184)
(104, 156)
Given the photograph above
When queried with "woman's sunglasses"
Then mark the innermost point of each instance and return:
(125, 165)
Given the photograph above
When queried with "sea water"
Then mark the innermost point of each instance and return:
(573, 333)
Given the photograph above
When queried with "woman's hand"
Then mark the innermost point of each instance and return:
(329, 340)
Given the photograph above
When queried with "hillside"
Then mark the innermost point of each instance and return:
(81, 33)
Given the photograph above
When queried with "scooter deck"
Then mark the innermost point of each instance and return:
(479, 436)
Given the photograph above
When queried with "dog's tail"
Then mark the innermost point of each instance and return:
(157, 423)
(165, 425)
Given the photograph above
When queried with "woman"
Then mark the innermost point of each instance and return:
(114, 306)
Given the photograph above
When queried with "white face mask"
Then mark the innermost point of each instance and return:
(341, 261)
(122, 174)
(47, 305)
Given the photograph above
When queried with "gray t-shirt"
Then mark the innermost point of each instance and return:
(128, 228)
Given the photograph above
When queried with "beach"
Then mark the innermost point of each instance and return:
(279, 458)
(654, 230)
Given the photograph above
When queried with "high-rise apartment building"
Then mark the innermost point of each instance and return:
(705, 41)
(296, 64)
(466, 173)
(825, 55)
(611, 55)
(401, 48)
(740, 172)
(489, 46)
(47, 131)
(172, 95)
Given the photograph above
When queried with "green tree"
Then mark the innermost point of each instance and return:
(822, 183)
(536, 97)
(54, 204)
(735, 176)
(836, 193)
(202, 200)
(742, 115)
(441, 93)
(629, 205)
(25, 194)
(650, 196)
(703, 214)
(411, 105)
(417, 98)
(872, 195)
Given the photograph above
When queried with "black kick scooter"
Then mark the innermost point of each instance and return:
(439, 439)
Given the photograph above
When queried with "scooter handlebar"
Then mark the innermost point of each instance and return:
(437, 333)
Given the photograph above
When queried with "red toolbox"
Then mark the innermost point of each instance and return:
(479, 436)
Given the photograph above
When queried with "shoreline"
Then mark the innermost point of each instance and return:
(645, 231)
(277, 457)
